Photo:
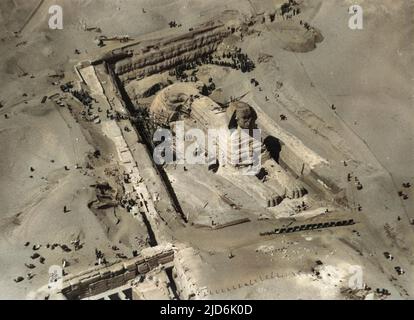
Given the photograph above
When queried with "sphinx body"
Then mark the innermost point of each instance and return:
(182, 103)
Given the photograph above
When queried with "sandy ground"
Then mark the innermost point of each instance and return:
(367, 74)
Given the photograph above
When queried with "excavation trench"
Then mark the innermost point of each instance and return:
(140, 125)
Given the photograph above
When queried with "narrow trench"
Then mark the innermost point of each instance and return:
(173, 195)
(161, 172)
(173, 286)
(148, 144)
(151, 234)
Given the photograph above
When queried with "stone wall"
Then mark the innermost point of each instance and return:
(101, 279)
(169, 53)
(320, 178)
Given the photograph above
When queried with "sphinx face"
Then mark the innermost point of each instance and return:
(245, 117)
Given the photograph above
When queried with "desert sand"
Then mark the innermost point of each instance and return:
(347, 96)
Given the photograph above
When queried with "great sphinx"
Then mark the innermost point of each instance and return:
(182, 104)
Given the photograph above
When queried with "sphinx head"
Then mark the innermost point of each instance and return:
(243, 115)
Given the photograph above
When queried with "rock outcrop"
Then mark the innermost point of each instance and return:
(171, 52)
